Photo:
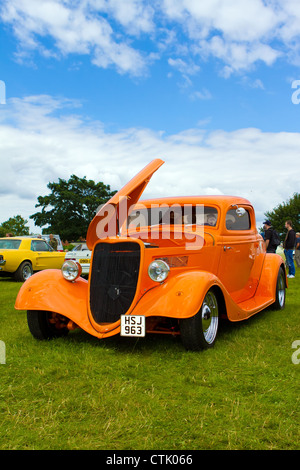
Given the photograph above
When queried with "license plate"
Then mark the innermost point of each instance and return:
(84, 261)
(133, 325)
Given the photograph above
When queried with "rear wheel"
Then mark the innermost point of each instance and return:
(280, 291)
(200, 331)
(46, 325)
(23, 272)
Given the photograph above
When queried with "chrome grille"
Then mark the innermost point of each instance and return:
(113, 279)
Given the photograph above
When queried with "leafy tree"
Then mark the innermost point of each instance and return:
(289, 210)
(70, 207)
(15, 225)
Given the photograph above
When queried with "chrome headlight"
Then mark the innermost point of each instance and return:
(71, 270)
(158, 270)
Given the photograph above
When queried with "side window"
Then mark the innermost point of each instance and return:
(238, 222)
(40, 245)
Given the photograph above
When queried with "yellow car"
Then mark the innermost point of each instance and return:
(21, 256)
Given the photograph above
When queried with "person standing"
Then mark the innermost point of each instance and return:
(270, 248)
(289, 245)
(53, 242)
(297, 249)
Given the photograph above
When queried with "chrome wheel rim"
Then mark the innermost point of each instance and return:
(210, 317)
(26, 272)
(281, 291)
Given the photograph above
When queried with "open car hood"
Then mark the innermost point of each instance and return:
(113, 214)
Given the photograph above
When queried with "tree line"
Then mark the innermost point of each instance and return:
(289, 210)
(71, 205)
(67, 210)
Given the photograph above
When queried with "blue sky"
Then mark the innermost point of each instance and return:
(101, 87)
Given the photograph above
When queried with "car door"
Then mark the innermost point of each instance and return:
(242, 254)
(45, 257)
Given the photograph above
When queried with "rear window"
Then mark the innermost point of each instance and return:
(237, 222)
(9, 244)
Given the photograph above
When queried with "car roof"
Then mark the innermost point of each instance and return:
(21, 237)
(218, 200)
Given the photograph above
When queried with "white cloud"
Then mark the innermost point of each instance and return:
(238, 20)
(238, 56)
(258, 84)
(239, 33)
(75, 28)
(39, 144)
(135, 15)
(184, 67)
(187, 70)
(201, 95)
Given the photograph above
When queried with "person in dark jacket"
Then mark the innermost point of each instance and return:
(289, 245)
(269, 237)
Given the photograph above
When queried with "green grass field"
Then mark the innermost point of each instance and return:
(78, 392)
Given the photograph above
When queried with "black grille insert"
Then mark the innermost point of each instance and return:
(113, 279)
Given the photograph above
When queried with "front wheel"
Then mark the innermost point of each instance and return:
(46, 325)
(200, 331)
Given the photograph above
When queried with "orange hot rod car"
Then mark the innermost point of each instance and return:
(172, 265)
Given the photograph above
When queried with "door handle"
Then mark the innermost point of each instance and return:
(225, 248)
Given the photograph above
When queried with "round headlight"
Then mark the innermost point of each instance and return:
(158, 270)
(71, 270)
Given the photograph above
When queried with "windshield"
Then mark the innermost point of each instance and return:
(172, 215)
(9, 244)
(80, 247)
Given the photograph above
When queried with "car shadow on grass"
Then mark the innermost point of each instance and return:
(228, 331)
(127, 345)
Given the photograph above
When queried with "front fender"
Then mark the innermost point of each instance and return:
(48, 290)
(179, 297)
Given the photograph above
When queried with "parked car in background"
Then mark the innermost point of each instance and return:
(82, 255)
(57, 238)
(20, 257)
(173, 265)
